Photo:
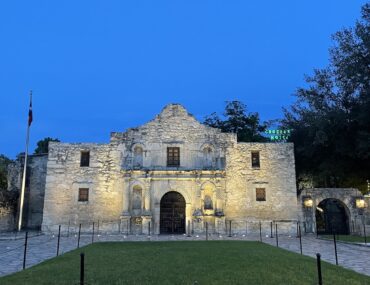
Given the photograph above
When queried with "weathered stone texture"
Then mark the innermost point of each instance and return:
(347, 196)
(128, 177)
(276, 175)
(35, 187)
(7, 219)
(65, 177)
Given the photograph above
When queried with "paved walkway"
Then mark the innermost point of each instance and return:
(350, 256)
(42, 247)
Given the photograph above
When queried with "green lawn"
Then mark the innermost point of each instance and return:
(185, 262)
(347, 238)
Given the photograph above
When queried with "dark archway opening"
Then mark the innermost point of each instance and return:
(332, 217)
(172, 214)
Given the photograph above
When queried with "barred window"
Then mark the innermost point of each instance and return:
(85, 158)
(260, 194)
(255, 159)
(173, 156)
(83, 194)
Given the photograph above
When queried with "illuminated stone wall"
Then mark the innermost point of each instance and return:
(65, 177)
(276, 175)
(128, 176)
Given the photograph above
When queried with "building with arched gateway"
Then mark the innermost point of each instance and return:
(172, 175)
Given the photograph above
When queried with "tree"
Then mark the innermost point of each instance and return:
(43, 145)
(235, 119)
(330, 119)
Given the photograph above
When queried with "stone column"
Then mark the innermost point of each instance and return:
(156, 219)
(147, 200)
(126, 198)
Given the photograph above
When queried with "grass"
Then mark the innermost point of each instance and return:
(185, 262)
(347, 238)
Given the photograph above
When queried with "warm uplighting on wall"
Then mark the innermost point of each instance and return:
(360, 203)
(308, 202)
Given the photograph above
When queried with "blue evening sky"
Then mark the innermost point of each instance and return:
(101, 66)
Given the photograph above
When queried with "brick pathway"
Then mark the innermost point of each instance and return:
(42, 247)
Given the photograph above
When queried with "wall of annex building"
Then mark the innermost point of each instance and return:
(276, 175)
(34, 190)
(65, 176)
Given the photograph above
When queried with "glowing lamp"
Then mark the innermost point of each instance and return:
(308, 202)
(360, 203)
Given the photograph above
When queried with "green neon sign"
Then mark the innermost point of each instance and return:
(278, 134)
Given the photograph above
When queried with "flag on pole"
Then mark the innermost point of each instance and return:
(30, 117)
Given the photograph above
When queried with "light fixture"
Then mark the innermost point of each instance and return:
(307, 202)
(360, 203)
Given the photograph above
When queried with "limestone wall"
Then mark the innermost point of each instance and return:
(34, 196)
(347, 196)
(132, 170)
(175, 127)
(276, 174)
(35, 187)
(7, 219)
(65, 176)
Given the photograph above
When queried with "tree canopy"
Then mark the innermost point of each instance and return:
(235, 119)
(43, 145)
(331, 116)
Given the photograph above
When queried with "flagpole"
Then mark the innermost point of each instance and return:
(24, 171)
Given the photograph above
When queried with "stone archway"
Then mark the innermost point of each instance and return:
(332, 215)
(172, 213)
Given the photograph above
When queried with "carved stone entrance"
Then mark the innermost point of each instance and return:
(172, 213)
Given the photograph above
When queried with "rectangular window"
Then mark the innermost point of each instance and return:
(260, 194)
(85, 158)
(255, 159)
(83, 194)
(173, 156)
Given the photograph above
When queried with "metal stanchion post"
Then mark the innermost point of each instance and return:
(319, 268)
(260, 233)
(206, 230)
(335, 249)
(92, 238)
(58, 240)
(79, 235)
(271, 235)
(365, 232)
(82, 268)
(25, 251)
(276, 234)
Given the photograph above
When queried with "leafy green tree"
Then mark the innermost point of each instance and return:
(43, 145)
(331, 117)
(235, 119)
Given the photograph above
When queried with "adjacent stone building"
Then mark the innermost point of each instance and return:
(171, 175)
(34, 192)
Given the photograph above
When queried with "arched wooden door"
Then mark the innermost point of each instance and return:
(332, 216)
(172, 213)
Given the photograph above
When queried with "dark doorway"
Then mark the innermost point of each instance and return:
(172, 215)
(332, 217)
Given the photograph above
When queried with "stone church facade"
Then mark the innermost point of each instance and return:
(171, 175)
